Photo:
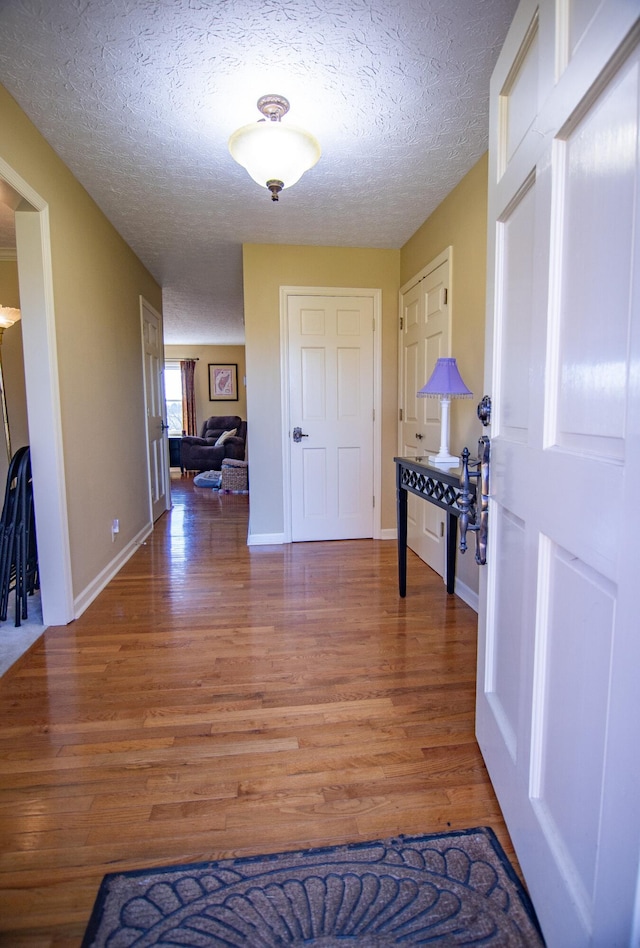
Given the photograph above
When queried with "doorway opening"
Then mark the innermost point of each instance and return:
(33, 252)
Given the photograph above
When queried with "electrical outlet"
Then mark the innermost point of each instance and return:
(115, 528)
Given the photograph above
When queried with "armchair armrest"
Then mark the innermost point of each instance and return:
(235, 448)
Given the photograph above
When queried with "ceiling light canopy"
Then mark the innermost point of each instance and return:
(276, 155)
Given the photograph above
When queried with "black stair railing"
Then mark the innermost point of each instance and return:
(18, 548)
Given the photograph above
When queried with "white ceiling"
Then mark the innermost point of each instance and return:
(139, 98)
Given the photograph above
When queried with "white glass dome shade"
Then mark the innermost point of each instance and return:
(274, 152)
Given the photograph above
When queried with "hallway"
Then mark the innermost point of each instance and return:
(218, 700)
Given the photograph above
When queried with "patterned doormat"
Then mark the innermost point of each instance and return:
(449, 889)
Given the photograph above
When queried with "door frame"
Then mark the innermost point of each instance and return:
(376, 297)
(35, 277)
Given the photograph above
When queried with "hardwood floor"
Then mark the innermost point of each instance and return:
(220, 700)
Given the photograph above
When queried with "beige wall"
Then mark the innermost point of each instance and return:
(12, 369)
(207, 355)
(460, 222)
(266, 269)
(97, 282)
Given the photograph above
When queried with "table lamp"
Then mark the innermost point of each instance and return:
(445, 383)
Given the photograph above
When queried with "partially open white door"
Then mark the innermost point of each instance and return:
(425, 337)
(153, 354)
(558, 698)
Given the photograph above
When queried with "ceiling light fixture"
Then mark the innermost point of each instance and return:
(276, 155)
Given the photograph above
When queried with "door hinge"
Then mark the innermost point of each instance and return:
(373, 413)
(401, 322)
(446, 295)
(400, 413)
(374, 500)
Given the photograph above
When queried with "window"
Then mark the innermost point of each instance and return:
(173, 398)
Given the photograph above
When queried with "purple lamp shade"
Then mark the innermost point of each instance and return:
(445, 380)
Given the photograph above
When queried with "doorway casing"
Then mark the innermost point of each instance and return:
(43, 399)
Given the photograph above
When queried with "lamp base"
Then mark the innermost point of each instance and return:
(447, 460)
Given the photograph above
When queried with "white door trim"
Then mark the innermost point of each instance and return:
(376, 296)
(43, 401)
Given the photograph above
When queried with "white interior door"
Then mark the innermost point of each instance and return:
(153, 353)
(425, 336)
(559, 644)
(331, 400)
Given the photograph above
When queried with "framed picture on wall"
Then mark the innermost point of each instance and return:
(223, 383)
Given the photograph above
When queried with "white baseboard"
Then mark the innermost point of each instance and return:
(268, 539)
(86, 597)
(265, 539)
(467, 595)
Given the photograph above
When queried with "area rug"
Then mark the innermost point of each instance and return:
(450, 889)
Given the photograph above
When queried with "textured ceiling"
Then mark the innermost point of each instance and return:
(139, 98)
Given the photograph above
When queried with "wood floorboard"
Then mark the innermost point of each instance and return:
(219, 700)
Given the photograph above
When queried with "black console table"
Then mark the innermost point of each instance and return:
(439, 486)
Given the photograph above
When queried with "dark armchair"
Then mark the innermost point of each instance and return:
(203, 454)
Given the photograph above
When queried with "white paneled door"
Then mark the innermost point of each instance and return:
(330, 355)
(558, 700)
(153, 355)
(425, 337)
